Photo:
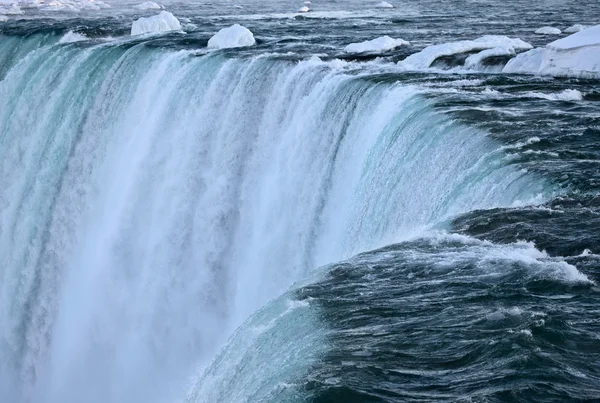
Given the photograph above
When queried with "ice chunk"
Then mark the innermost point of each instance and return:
(304, 9)
(234, 36)
(586, 37)
(72, 37)
(424, 59)
(548, 31)
(149, 5)
(384, 4)
(165, 21)
(577, 55)
(380, 44)
(474, 61)
(575, 28)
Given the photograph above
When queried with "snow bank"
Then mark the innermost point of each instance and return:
(148, 5)
(165, 21)
(384, 4)
(474, 61)
(577, 55)
(424, 59)
(548, 31)
(380, 44)
(575, 28)
(71, 36)
(234, 36)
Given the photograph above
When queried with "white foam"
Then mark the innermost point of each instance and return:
(163, 22)
(380, 44)
(548, 31)
(575, 28)
(72, 37)
(566, 95)
(234, 36)
(424, 59)
(577, 55)
(149, 5)
(384, 4)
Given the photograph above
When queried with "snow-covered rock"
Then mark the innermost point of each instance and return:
(474, 61)
(235, 36)
(575, 28)
(304, 9)
(380, 44)
(149, 5)
(548, 31)
(384, 4)
(163, 22)
(577, 55)
(424, 59)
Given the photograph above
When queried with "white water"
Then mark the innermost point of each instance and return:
(150, 201)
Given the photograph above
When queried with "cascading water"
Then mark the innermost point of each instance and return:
(151, 200)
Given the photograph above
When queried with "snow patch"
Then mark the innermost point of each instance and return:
(384, 4)
(163, 22)
(577, 55)
(380, 44)
(149, 5)
(548, 31)
(423, 59)
(71, 36)
(235, 36)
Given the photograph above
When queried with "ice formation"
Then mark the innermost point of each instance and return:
(575, 28)
(149, 5)
(474, 61)
(234, 36)
(165, 21)
(424, 59)
(380, 44)
(548, 31)
(577, 55)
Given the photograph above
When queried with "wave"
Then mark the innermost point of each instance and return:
(156, 199)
